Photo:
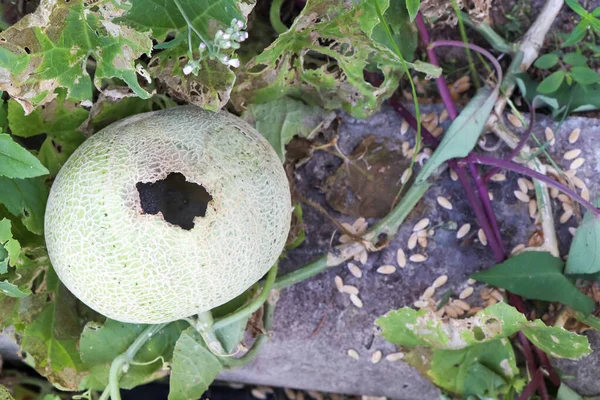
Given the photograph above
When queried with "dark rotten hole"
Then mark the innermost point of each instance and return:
(179, 201)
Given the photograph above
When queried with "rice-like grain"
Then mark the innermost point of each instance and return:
(422, 241)
(428, 293)
(498, 177)
(444, 115)
(401, 258)
(463, 305)
(421, 304)
(550, 136)
(339, 283)
(572, 154)
(349, 289)
(444, 202)
(522, 196)
(522, 185)
(578, 162)
(395, 356)
(356, 301)
(466, 293)
(422, 224)
(354, 270)
(471, 281)
(481, 236)
(450, 311)
(453, 175)
(418, 258)
(404, 127)
(463, 231)
(574, 135)
(406, 176)
(376, 357)
(566, 216)
(517, 249)
(532, 208)
(412, 241)
(353, 353)
(440, 281)
(386, 269)
(514, 121)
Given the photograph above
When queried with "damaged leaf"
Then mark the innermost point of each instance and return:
(50, 49)
(367, 182)
(322, 57)
(25, 198)
(279, 121)
(556, 341)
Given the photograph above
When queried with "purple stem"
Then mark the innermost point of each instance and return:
(532, 385)
(482, 190)
(515, 152)
(486, 224)
(482, 51)
(440, 82)
(511, 166)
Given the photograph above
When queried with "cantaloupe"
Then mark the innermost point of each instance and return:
(118, 227)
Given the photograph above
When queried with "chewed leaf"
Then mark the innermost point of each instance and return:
(408, 327)
(50, 48)
(10, 248)
(462, 135)
(584, 254)
(557, 342)
(536, 275)
(25, 198)
(12, 290)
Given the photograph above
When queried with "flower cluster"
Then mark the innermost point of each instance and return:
(224, 40)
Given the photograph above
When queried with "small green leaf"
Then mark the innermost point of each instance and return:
(194, 367)
(12, 290)
(575, 59)
(280, 120)
(546, 61)
(584, 254)
(483, 382)
(404, 34)
(16, 162)
(10, 248)
(566, 393)
(25, 198)
(555, 341)
(578, 34)
(5, 394)
(590, 320)
(462, 135)
(552, 82)
(585, 75)
(578, 8)
(536, 275)
(432, 71)
(596, 12)
(413, 8)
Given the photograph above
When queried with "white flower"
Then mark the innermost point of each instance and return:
(234, 62)
(202, 47)
(187, 69)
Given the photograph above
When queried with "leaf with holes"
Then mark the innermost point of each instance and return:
(536, 275)
(280, 120)
(461, 137)
(555, 341)
(25, 198)
(10, 248)
(16, 162)
(211, 87)
(584, 254)
(194, 367)
(50, 48)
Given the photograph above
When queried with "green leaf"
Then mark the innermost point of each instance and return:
(584, 254)
(101, 344)
(552, 82)
(194, 367)
(590, 320)
(10, 248)
(577, 34)
(585, 75)
(536, 275)
(575, 59)
(546, 61)
(408, 327)
(5, 394)
(321, 59)
(403, 31)
(566, 393)
(16, 162)
(12, 290)
(25, 198)
(231, 335)
(212, 86)
(279, 121)
(462, 135)
(50, 48)
(52, 338)
(596, 12)
(575, 6)
(557, 342)
(413, 8)
(486, 370)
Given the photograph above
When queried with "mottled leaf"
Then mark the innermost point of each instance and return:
(25, 198)
(536, 275)
(50, 49)
(555, 341)
(16, 162)
(461, 137)
(10, 248)
(279, 121)
(194, 367)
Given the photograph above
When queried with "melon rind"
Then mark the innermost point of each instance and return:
(136, 267)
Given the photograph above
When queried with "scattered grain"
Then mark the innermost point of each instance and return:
(440, 281)
(585, 194)
(404, 127)
(574, 135)
(459, 311)
(290, 394)
(550, 136)
(444, 202)
(395, 356)
(412, 241)
(471, 281)
(498, 177)
(570, 173)
(577, 163)
(422, 224)
(421, 303)
(466, 293)
(517, 249)
(437, 131)
(406, 176)
(353, 353)
(450, 311)
(453, 175)
(258, 393)
(578, 182)
(572, 154)
(514, 121)
(463, 305)
(421, 233)
(554, 192)
(572, 231)
(444, 115)
(428, 117)
(463, 230)
(497, 295)
(315, 395)
(521, 196)
(386, 269)
(566, 216)
(530, 185)
(422, 241)
(567, 206)
(339, 283)
(532, 208)
(482, 237)
(564, 198)
(418, 258)
(401, 258)
(354, 270)
(376, 357)
(350, 289)
(522, 185)
(356, 301)
(428, 293)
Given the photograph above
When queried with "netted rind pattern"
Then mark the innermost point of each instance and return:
(136, 267)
